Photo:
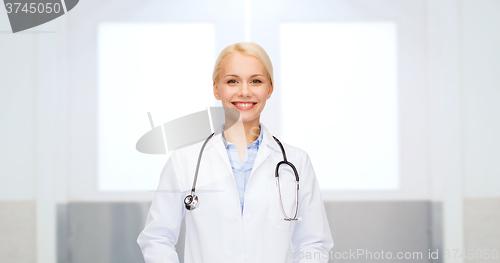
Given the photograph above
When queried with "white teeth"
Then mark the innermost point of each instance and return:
(244, 104)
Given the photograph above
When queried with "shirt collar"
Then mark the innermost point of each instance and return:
(256, 142)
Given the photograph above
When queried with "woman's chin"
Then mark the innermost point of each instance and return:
(249, 119)
(234, 115)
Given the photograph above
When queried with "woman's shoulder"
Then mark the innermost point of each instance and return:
(292, 148)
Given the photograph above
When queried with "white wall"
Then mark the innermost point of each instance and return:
(17, 113)
(480, 67)
(444, 111)
(33, 127)
(17, 137)
(464, 96)
(464, 121)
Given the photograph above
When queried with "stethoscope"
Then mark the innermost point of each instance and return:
(191, 201)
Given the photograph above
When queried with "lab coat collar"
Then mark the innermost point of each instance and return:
(267, 139)
(267, 145)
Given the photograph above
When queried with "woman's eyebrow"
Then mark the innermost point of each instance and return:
(256, 75)
(234, 75)
(231, 75)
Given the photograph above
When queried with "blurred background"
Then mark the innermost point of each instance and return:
(396, 102)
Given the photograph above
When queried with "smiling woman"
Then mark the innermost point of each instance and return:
(246, 204)
(243, 83)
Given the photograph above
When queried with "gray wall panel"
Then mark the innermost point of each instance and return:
(63, 252)
(391, 226)
(17, 231)
(437, 229)
(107, 232)
(481, 230)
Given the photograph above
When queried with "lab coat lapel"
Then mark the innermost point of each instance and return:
(267, 147)
(217, 142)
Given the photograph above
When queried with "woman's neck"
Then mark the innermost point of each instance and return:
(242, 134)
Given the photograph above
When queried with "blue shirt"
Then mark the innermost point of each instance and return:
(242, 169)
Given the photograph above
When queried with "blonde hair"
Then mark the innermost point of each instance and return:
(246, 48)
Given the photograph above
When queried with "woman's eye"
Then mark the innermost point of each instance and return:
(258, 81)
(231, 81)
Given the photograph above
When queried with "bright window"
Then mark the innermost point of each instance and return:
(340, 101)
(164, 69)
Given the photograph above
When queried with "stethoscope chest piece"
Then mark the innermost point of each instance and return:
(191, 202)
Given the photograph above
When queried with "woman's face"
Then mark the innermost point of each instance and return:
(243, 85)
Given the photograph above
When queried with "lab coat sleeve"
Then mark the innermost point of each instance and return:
(312, 239)
(163, 223)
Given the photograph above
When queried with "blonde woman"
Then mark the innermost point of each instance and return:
(238, 211)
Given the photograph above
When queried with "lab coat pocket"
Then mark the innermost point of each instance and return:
(280, 223)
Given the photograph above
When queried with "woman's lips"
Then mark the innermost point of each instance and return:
(241, 105)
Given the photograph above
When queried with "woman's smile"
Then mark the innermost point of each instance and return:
(244, 105)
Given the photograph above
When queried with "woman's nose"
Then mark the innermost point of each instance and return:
(245, 90)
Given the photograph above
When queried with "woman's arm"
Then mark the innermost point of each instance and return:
(312, 238)
(158, 239)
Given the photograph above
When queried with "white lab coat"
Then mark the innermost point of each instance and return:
(217, 231)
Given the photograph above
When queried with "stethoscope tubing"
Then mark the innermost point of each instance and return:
(198, 164)
(191, 201)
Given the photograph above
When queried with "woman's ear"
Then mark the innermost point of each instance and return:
(216, 92)
(270, 91)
